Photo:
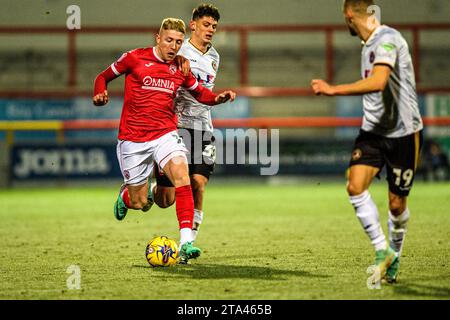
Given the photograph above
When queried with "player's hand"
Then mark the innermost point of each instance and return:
(183, 64)
(101, 99)
(322, 87)
(225, 96)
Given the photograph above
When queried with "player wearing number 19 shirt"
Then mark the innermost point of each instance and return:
(391, 133)
(148, 125)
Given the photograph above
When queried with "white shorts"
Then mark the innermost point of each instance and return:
(136, 158)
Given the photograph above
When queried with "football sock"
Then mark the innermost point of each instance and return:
(198, 219)
(397, 230)
(126, 197)
(185, 236)
(367, 213)
(185, 211)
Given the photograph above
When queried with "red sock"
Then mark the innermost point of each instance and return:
(126, 197)
(184, 206)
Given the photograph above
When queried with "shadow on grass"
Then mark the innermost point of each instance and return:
(420, 290)
(220, 271)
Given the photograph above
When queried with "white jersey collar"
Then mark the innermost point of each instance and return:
(373, 35)
(195, 48)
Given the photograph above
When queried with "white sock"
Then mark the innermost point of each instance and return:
(185, 236)
(367, 213)
(152, 187)
(198, 219)
(397, 230)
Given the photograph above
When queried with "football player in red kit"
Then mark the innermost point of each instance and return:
(148, 125)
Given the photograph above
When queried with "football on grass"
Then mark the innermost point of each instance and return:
(161, 252)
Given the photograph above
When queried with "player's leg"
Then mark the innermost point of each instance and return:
(163, 190)
(171, 157)
(198, 184)
(360, 177)
(177, 171)
(401, 168)
(203, 157)
(397, 227)
(359, 180)
(366, 163)
(164, 196)
(136, 167)
(137, 195)
(398, 219)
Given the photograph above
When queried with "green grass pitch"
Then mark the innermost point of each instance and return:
(259, 242)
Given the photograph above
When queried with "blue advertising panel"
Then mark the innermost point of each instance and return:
(87, 161)
(99, 161)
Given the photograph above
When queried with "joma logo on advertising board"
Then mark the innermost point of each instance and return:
(54, 162)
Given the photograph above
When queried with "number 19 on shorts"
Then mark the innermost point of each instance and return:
(403, 178)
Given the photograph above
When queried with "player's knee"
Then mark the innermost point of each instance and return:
(354, 190)
(397, 205)
(181, 181)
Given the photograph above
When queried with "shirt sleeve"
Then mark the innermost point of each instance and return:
(386, 52)
(190, 82)
(121, 66)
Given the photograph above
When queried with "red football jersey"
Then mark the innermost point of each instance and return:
(150, 87)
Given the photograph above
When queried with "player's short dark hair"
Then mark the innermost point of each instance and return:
(359, 6)
(205, 10)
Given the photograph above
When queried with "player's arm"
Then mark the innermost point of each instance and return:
(121, 66)
(206, 96)
(376, 82)
(100, 97)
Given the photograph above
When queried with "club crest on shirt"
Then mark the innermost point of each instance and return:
(214, 65)
(126, 174)
(173, 69)
(356, 155)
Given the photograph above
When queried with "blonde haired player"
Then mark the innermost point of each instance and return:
(391, 133)
(148, 125)
(194, 118)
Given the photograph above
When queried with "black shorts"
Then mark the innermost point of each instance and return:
(400, 155)
(201, 161)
